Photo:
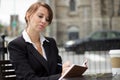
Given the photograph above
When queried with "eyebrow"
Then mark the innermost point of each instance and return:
(39, 13)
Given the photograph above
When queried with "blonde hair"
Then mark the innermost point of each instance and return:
(34, 7)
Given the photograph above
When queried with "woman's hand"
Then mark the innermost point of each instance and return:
(85, 63)
(65, 66)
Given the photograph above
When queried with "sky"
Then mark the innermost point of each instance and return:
(10, 7)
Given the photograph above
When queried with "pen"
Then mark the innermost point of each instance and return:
(84, 63)
(59, 64)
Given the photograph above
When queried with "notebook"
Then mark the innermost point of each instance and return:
(74, 71)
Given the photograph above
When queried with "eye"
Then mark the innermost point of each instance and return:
(47, 19)
(40, 16)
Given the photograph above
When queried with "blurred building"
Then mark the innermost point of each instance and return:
(14, 25)
(78, 18)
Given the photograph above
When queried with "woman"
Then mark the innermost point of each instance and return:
(34, 56)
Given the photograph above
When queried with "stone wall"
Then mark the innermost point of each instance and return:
(90, 16)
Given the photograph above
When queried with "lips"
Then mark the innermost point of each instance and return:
(41, 26)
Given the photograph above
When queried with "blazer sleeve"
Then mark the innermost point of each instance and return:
(22, 68)
(59, 60)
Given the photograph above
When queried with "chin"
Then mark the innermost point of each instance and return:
(40, 30)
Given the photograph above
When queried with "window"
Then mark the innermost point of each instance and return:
(72, 5)
(98, 35)
(73, 33)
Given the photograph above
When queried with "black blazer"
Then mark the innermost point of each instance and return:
(30, 65)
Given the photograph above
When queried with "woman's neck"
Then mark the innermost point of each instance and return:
(34, 36)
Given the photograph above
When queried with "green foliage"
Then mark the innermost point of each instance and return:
(1, 26)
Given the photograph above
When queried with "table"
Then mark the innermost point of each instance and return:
(100, 76)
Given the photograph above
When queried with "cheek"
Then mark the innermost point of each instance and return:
(33, 21)
(36, 20)
(47, 24)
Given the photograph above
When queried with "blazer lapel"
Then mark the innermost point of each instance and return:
(38, 56)
(46, 46)
(50, 56)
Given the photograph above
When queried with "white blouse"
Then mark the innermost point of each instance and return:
(42, 39)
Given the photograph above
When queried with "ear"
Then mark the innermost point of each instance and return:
(27, 16)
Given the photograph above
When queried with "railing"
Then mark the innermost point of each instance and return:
(3, 49)
(98, 61)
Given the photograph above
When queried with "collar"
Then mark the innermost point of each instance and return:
(27, 38)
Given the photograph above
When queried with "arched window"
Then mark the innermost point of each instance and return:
(72, 5)
(73, 33)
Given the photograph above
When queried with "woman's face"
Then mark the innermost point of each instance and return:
(39, 20)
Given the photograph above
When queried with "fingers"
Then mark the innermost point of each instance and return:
(85, 63)
(66, 66)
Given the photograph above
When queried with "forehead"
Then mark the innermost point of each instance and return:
(42, 10)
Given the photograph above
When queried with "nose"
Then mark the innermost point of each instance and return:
(43, 20)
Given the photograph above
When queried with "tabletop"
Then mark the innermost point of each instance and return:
(100, 76)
